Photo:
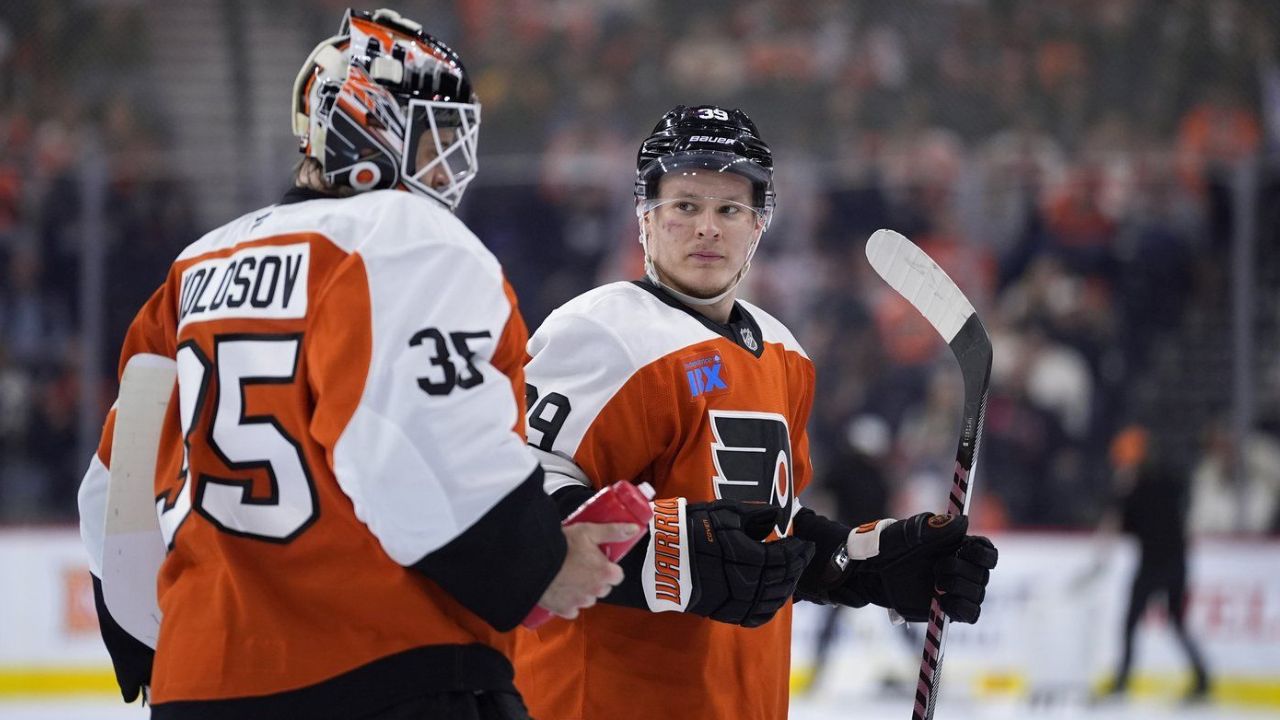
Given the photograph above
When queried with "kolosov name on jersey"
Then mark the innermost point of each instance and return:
(268, 281)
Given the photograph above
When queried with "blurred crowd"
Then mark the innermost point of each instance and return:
(1074, 166)
(61, 96)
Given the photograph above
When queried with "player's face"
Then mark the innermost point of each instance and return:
(438, 178)
(700, 230)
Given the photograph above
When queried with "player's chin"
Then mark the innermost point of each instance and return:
(705, 282)
(704, 290)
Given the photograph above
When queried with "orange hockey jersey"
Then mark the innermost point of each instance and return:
(627, 383)
(346, 405)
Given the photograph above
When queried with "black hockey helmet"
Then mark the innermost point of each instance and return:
(708, 137)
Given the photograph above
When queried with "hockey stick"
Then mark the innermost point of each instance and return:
(133, 547)
(918, 279)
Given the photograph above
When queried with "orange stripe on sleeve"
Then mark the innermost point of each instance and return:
(510, 355)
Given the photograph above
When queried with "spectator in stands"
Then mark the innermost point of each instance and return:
(994, 125)
(34, 323)
(1227, 499)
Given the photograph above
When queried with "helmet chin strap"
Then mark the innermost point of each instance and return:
(651, 272)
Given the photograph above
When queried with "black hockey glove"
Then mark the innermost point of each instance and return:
(911, 559)
(130, 658)
(710, 559)
(739, 578)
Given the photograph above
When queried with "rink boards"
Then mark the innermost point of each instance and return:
(1049, 625)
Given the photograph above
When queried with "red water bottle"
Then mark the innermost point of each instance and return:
(621, 502)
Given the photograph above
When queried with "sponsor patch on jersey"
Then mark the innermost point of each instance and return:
(705, 374)
(267, 281)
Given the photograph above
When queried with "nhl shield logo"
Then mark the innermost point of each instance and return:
(748, 339)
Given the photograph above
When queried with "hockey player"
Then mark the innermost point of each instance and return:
(674, 381)
(353, 519)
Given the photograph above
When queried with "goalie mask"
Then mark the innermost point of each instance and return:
(385, 105)
(704, 138)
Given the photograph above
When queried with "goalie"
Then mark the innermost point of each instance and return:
(345, 450)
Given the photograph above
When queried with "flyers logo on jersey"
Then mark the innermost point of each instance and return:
(705, 375)
(752, 457)
(267, 281)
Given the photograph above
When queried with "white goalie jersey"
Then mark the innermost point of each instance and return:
(349, 400)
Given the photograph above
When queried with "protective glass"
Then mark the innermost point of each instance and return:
(440, 154)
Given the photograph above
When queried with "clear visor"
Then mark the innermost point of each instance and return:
(440, 156)
(730, 213)
(705, 160)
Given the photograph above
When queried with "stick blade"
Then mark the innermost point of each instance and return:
(133, 547)
(917, 278)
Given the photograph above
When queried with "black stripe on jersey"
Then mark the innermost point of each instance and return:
(365, 690)
(741, 325)
(501, 565)
(571, 497)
